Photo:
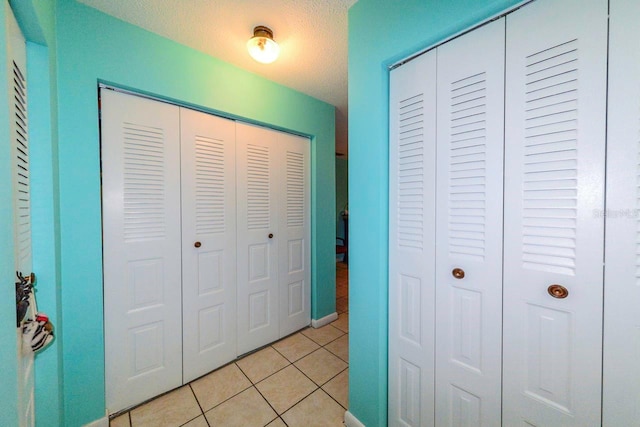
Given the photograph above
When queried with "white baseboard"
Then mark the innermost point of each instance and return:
(102, 422)
(351, 421)
(324, 321)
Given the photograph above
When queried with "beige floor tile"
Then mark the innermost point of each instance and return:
(295, 347)
(261, 364)
(323, 335)
(120, 421)
(317, 410)
(172, 409)
(245, 409)
(321, 366)
(342, 305)
(340, 347)
(338, 388)
(342, 322)
(277, 423)
(219, 386)
(198, 422)
(286, 388)
(342, 292)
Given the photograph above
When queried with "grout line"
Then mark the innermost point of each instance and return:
(296, 404)
(270, 405)
(199, 405)
(331, 397)
(270, 375)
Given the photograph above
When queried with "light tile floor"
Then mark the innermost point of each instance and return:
(300, 381)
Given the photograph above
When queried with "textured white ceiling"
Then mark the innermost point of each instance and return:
(312, 35)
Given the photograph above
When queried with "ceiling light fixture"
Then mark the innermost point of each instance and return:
(262, 47)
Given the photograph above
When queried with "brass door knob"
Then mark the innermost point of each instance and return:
(458, 273)
(197, 244)
(558, 291)
(271, 235)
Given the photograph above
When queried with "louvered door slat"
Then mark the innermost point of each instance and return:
(554, 177)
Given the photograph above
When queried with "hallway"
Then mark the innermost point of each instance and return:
(301, 380)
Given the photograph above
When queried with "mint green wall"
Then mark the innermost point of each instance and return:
(401, 28)
(342, 192)
(93, 47)
(8, 350)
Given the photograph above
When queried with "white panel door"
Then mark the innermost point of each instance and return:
(141, 240)
(554, 184)
(208, 242)
(469, 228)
(412, 169)
(257, 237)
(18, 126)
(621, 376)
(294, 233)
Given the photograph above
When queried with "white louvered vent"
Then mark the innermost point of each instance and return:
(210, 185)
(23, 192)
(550, 185)
(411, 172)
(258, 188)
(295, 189)
(144, 184)
(467, 167)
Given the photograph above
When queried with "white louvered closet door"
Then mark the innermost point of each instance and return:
(208, 242)
(554, 184)
(469, 228)
(141, 240)
(412, 169)
(294, 234)
(18, 127)
(257, 202)
(621, 376)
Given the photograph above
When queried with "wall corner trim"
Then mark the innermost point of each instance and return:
(351, 421)
(324, 320)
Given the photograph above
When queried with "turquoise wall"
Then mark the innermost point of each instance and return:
(342, 192)
(401, 28)
(93, 47)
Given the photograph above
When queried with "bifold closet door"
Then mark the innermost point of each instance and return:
(412, 180)
(208, 242)
(621, 376)
(556, 79)
(21, 188)
(274, 233)
(258, 210)
(294, 233)
(468, 291)
(141, 241)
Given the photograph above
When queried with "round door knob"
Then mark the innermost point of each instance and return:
(197, 244)
(558, 291)
(458, 273)
(271, 235)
